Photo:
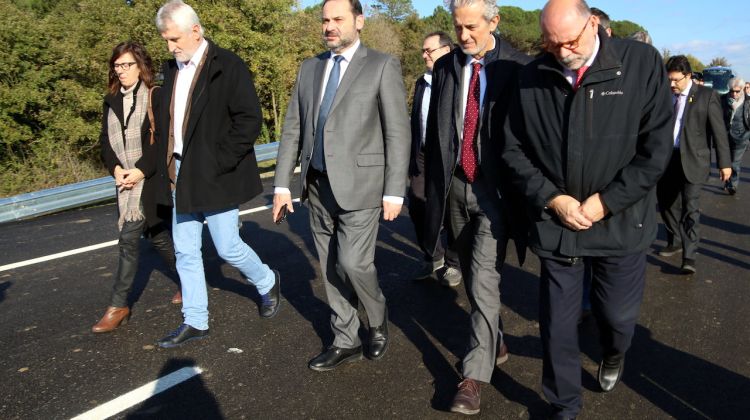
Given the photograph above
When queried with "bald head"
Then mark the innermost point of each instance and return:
(569, 31)
(556, 11)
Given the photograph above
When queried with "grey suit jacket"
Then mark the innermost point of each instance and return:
(702, 125)
(367, 135)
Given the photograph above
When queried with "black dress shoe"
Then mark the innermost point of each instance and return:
(271, 302)
(610, 371)
(378, 340)
(182, 335)
(333, 357)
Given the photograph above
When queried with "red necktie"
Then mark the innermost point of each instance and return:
(471, 122)
(579, 76)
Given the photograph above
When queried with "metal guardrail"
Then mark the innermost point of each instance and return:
(80, 194)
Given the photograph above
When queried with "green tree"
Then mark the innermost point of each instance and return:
(719, 61)
(395, 10)
(625, 28)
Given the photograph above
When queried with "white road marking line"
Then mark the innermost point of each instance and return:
(58, 255)
(101, 245)
(141, 394)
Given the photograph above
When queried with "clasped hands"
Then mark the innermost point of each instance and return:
(576, 215)
(126, 179)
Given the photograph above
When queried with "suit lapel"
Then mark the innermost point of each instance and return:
(199, 98)
(320, 68)
(352, 71)
(690, 100)
(458, 74)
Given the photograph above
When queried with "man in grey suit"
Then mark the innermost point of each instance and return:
(697, 120)
(347, 123)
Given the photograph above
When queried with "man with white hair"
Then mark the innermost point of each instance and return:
(212, 120)
(587, 137)
(463, 176)
(736, 106)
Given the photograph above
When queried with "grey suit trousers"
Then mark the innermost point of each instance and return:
(476, 221)
(345, 241)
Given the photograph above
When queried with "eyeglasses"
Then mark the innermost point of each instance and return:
(569, 45)
(678, 80)
(430, 51)
(124, 66)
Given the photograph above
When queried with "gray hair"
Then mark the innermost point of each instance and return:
(641, 36)
(180, 14)
(736, 82)
(490, 7)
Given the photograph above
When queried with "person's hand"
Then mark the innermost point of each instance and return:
(278, 202)
(568, 210)
(725, 173)
(131, 178)
(119, 174)
(593, 208)
(390, 210)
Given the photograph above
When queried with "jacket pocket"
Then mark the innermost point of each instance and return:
(375, 159)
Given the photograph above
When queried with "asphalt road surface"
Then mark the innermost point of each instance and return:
(690, 356)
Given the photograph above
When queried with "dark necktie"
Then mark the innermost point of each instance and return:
(674, 117)
(579, 76)
(471, 122)
(318, 158)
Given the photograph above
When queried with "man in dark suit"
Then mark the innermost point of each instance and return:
(347, 123)
(587, 139)
(443, 261)
(463, 172)
(212, 120)
(697, 119)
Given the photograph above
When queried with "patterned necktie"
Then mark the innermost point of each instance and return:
(579, 76)
(471, 122)
(318, 160)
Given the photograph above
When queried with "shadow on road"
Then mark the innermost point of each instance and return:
(3, 287)
(188, 400)
(680, 384)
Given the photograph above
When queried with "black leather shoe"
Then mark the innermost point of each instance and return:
(333, 357)
(182, 335)
(610, 372)
(378, 340)
(270, 306)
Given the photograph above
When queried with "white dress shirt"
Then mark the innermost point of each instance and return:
(185, 74)
(680, 112)
(425, 106)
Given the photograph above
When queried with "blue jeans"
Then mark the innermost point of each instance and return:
(738, 147)
(222, 224)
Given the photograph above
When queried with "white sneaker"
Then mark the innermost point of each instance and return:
(450, 277)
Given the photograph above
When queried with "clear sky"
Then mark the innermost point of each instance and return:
(705, 29)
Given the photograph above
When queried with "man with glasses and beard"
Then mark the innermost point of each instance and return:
(587, 137)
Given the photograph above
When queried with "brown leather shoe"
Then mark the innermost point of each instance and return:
(466, 400)
(502, 354)
(113, 318)
(177, 298)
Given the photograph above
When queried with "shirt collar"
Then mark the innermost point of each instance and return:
(196, 58)
(348, 53)
(427, 77)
